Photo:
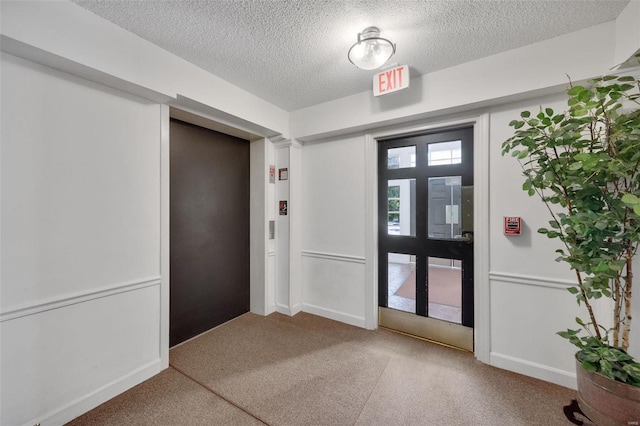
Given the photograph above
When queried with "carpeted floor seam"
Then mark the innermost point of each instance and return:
(372, 390)
(217, 394)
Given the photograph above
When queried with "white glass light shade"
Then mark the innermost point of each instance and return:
(371, 51)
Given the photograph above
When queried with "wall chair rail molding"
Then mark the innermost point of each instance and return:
(530, 280)
(75, 298)
(333, 256)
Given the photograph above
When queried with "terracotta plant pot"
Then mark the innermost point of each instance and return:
(607, 402)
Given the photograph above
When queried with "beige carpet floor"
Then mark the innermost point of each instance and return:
(307, 370)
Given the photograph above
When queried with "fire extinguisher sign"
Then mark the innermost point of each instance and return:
(512, 225)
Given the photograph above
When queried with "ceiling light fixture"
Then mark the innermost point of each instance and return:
(371, 51)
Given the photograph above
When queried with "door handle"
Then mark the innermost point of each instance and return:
(464, 237)
(467, 236)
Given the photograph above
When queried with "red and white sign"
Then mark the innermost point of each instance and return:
(391, 80)
(512, 225)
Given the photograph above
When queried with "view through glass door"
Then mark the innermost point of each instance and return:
(425, 243)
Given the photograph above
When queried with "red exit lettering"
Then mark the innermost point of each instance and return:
(391, 80)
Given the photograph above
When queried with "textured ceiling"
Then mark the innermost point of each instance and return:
(294, 53)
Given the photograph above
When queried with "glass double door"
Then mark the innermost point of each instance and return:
(425, 219)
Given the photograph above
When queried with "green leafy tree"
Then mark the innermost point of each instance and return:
(584, 164)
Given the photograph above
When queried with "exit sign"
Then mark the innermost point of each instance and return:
(391, 80)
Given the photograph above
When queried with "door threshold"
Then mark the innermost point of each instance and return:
(437, 331)
(424, 339)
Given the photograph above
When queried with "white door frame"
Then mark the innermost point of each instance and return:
(480, 122)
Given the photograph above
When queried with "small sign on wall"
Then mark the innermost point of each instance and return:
(512, 225)
(283, 208)
(283, 174)
(272, 174)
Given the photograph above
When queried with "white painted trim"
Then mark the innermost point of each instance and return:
(295, 226)
(271, 254)
(296, 308)
(165, 125)
(531, 280)
(371, 237)
(333, 256)
(289, 311)
(532, 369)
(75, 298)
(416, 128)
(480, 121)
(73, 409)
(258, 234)
(334, 315)
(482, 288)
(283, 309)
(287, 143)
(43, 57)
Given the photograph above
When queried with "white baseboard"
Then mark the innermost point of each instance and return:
(289, 311)
(270, 309)
(335, 315)
(296, 308)
(101, 395)
(283, 309)
(532, 369)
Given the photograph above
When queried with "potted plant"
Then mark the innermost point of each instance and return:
(584, 164)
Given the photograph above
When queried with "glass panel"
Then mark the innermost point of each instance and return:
(401, 282)
(442, 153)
(401, 158)
(444, 284)
(444, 207)
(401, 207)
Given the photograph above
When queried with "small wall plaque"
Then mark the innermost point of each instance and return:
(283, 174)
(283, 208)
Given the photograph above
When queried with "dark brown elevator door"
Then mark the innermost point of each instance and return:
(209, 229)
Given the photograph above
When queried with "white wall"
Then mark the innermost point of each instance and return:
(80, 222)
(333, 245)
(508, 199)
(529, 300)
(524, 267)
